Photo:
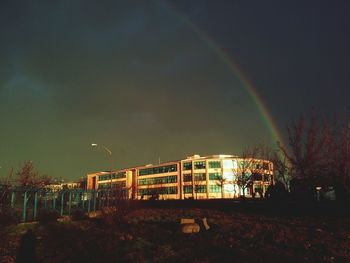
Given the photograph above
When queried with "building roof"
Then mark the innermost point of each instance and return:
(192, 157)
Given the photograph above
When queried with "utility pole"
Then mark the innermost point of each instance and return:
(109, 152)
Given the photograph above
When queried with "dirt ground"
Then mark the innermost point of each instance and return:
(154, 235)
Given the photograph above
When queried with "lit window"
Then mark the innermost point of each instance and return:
(188, 189)
(200, 176)
(158, 170)
(187, 177)
(215, 188)
(214, 164)
(266, 166)
(215, 176)
(201, 188)
(187, 166)
(266, 178)
(199, 165)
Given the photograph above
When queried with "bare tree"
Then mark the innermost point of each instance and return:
(27, 176)
(198, 182)
(337, 159)
(319, 152)
(5, 188)
(221, 181)
(343, 156)
(307, 143)
(7, 180)
(158, 191)
(282, 168)
(246, 167)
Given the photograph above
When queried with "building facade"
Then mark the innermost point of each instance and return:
(196, 177)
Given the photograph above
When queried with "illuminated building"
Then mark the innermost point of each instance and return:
(196, 177)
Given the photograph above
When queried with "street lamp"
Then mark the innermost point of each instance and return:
(109, 152)
(104, 147)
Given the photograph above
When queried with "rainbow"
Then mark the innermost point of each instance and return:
(225, 57)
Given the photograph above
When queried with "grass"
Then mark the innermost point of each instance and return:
(153, 235)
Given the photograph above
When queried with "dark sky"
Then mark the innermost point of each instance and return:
(141, 78)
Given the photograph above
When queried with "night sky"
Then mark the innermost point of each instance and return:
(152, 79)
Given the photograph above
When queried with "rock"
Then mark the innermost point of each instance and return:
(187, 221)
(95, 214)
(205, 223)
(64, 219)
(190, 228)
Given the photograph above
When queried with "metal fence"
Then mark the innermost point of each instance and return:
(26, 204)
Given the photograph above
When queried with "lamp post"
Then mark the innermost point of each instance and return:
(109, 152)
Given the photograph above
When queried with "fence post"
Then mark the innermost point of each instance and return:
(77, 199)
(100, 199)
(95, 192)
(24, 216)
(62, 202)
(83, 199)
(89, 203)
(35, 205)
(45, 200)
(13, 194)
(70, 201)
(54, 200)
(107, 197)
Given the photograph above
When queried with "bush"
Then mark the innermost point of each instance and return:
(6, 218)
(79, 214)
(277, 192)
(47, 216)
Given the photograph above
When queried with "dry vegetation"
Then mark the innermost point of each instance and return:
(153, 235)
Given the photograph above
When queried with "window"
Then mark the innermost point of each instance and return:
(104, 186)
(119, 175)
(215, 176)
(158, 170)
(199, 165)
(104, 177)
(229, 164)
(266, 166)
(187, 166)
(215, 188)
(199, 177)
(188, 189)
(258, 189)
(215, 164)
(172, 190)
(230, 175)
(257, 165)
(256, 177)
(119, 184)
(245, 165)
(201, 188)
(158, 190)
(114, 176)
(172, 179)
(267, 178)
(187, 177)
(158, 180)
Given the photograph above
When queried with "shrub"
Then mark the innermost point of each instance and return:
(7, 218)
(277, 192)
(47, 216)
(79, 214)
